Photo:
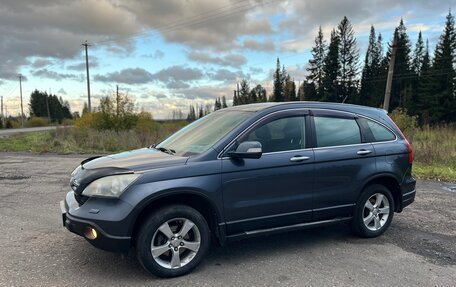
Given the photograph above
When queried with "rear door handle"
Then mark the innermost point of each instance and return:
(364, 152)
(299, 158)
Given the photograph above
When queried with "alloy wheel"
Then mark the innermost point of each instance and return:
(175, 243)
(376, 211)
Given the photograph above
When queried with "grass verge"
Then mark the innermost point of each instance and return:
(435, 148)
(434, 171)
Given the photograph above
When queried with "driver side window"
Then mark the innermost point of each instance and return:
(279, 135)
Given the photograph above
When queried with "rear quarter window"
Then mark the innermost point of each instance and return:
(336, 131)
(380, 132)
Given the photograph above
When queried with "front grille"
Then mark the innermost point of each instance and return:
(81, 199)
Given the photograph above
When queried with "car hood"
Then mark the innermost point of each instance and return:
(135, 160)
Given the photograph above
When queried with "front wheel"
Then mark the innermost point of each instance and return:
(173, 241)
(374, 211)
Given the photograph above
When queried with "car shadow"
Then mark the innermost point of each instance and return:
(119, 268)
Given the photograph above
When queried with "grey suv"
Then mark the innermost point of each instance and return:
(240, 172)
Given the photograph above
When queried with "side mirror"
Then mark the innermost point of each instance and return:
(248, 149)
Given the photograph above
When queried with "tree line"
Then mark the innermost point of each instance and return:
(49, 106)
(198, 111)
(424, 85)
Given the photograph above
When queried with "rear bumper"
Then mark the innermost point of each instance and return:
(78, 225)
(408, 191)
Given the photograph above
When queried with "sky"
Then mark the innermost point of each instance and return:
(168, 54)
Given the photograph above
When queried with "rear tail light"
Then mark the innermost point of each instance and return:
(409, 146)
(410, 150)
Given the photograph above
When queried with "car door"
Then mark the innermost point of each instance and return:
(276, 189)
(343, 160)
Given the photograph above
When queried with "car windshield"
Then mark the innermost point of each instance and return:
(202, 134)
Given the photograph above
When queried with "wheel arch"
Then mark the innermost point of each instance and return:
(191, 198)
(390, 182)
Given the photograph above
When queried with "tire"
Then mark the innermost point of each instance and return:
(173, 241)
(374, 211)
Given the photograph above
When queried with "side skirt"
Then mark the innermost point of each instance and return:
(287, 228)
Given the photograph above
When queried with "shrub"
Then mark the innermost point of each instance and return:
(8, 125)
(68, 122)
(406, 123)
(87, 121)
(37, 122)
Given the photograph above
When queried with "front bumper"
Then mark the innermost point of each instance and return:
(78, 225)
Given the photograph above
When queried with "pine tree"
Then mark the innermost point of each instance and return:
(331, 71)
(367, 73)
(258, 94)
(418, 55)
(261, 94)
(191, 114)
(218, 104)
(424, 87)
(309, 92)
(200, 111)
(401, 85)
(278, 84)
(417, 62)
(224, 105)
(244, 91)
(348, 57)
(371, 92)
(443, 75)
(235, 99)
(316, 64)
(289, 89)
(301, 95)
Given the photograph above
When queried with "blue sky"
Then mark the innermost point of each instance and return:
(169, 54)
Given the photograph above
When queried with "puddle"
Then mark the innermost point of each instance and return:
(450, 188)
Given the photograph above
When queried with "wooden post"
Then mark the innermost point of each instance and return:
(389, 80)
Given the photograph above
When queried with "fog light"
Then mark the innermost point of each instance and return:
(90, 233)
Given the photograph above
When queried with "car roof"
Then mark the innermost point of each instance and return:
(308, 104)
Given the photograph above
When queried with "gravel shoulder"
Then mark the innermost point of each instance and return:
(419, 249)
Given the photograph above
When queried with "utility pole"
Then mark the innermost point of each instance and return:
(117, 100)
(22, 108)
(1, 115)
(47, 107)
(89, 106)
(389, 79)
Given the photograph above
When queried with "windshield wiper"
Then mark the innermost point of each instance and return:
(165, 150)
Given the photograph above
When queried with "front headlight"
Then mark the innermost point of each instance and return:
(110, 186)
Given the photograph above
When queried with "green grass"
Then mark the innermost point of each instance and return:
(30, 142)
(434, 171)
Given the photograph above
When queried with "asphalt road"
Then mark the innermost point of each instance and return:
(419, 249)
(9, 132)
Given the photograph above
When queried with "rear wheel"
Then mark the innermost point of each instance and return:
(173, 241)
(374, 211)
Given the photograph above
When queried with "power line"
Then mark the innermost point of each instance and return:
(222, 12)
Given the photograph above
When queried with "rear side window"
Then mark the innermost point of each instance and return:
(379, 132)
(336, 131)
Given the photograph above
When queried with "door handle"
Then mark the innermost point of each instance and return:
(364, 152)
(299, 158)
